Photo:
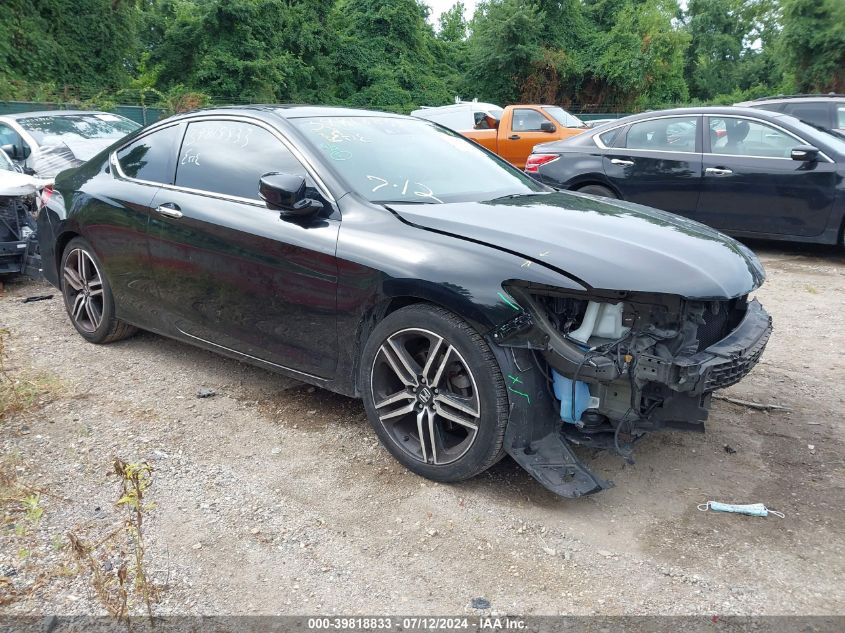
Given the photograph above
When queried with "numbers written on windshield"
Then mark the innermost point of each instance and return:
(405, 186)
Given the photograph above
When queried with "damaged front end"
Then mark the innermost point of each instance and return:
(606, 368)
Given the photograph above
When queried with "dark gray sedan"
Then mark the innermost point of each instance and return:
(750, 173)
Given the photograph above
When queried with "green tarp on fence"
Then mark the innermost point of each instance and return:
(142, 115)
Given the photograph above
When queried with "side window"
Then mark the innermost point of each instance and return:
(750, 138)
(229, 157)
(149, 158)
(815, 113)
(669, 135)
(525, 120)
(840, 117)
(609, 138)
(8, 136)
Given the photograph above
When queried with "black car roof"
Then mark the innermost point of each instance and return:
(289, 111)
(735, 110)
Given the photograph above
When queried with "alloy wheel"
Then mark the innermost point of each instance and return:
(83, 290)
(425, 396)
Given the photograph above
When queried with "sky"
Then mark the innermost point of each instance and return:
(439, 6)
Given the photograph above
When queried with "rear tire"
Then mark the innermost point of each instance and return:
(597, 190)
(434, 393)
(88, 297)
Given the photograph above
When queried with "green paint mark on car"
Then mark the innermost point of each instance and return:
(510, 302)
(521, 393)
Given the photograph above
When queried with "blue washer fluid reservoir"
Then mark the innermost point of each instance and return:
(563, 392)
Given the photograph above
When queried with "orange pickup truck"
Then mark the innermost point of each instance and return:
(511, 133)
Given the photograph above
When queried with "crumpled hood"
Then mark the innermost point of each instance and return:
(604, 244)
(15, 184)
(52, 158)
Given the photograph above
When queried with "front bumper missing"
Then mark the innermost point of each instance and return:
(537, 439)
(721, 365)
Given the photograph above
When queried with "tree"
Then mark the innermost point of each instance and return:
(453, 24)
(812, 44)
(387, 56)
(507, 39)
(246, 50)
(640, 59)
(87, 44)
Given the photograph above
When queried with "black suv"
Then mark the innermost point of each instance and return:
(825, 110)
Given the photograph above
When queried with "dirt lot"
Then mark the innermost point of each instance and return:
(273, 497)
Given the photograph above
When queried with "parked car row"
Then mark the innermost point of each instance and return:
(474, 309)
(748, 172)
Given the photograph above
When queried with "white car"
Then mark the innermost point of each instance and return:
(463, 115)
(47, 142)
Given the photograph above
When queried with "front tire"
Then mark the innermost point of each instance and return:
(434, 393)
(88, 297)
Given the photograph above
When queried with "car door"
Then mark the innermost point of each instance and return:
(657, 162)
(525, 132)
(752, 185)
(117, 217)
(231, 272)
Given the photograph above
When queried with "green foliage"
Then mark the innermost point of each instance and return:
(812, 44)
(604, 54)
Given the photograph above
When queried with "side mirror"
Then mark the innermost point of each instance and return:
(805, 153)
(15, 152)
(286, 193)
(547, 127)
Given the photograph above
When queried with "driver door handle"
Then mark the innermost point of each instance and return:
(718, 171)
(619, 161)
(514, 137)
(169, 210)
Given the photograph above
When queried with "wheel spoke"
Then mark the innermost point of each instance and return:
(399, 396)
(433, 434)
(467, 405)
(78, 305)
(420, 419)
(432, 355)
(442, 367)
(80, 265)
(404, 357)
(72, 278)
(408, 408)
(93, 313)
(400, 367)
(456, 418)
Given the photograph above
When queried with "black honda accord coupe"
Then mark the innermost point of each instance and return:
(475, 311)
(748, 172)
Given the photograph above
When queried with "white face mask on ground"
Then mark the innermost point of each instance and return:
(752, 509)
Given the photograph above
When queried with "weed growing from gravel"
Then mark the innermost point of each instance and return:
(119, 586)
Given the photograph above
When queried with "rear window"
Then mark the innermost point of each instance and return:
(149, 158)
(609, 138)
(52, 130)
(815, 113)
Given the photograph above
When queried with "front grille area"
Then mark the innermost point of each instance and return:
(731, 371)
(715, 326)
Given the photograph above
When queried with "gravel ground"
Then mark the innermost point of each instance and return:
(272, 497)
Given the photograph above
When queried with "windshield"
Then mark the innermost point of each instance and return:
(388, 159)
(563, 117)
(51, 130)
(832, 137)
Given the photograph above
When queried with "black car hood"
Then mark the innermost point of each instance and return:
(603, 244)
